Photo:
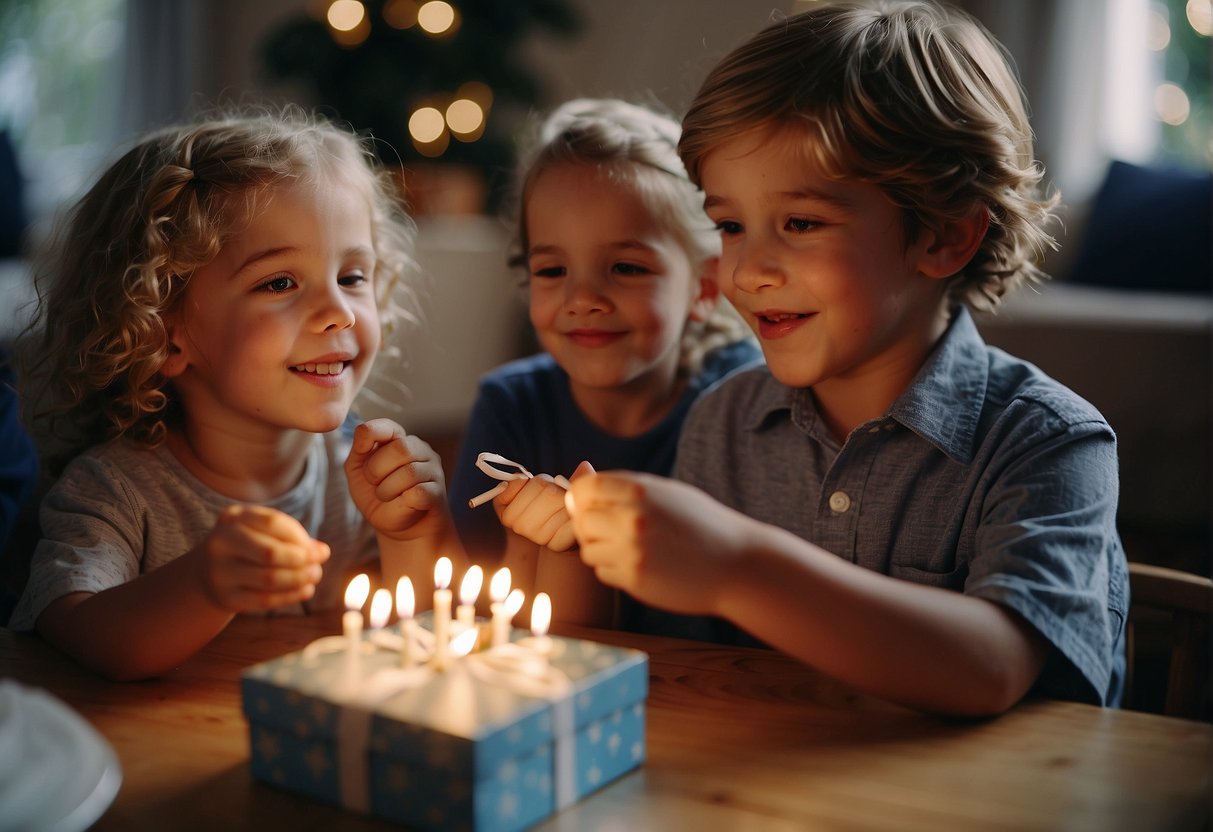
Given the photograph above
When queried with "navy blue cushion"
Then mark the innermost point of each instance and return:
(1150, 228)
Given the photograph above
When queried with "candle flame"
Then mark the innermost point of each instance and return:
(405, 602)
(500, 586)
(357, 592)
(514, 602)
(381, 608)
(442, 572)
(469, 590)
(541, 614)
(463, 643)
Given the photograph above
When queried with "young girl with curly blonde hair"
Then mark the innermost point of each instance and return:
(211, 310)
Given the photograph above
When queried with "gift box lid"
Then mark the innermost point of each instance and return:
(468, 718)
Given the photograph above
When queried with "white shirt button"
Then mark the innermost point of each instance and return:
(839, 502)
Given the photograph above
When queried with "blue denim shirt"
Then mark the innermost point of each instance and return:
(985, 477)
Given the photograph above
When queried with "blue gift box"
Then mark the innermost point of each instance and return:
(482, 745)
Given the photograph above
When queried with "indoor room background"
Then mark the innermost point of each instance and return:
(1119, 91)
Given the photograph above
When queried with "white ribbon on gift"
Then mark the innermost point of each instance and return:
(509, 666)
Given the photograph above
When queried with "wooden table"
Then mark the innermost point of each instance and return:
(738, 739)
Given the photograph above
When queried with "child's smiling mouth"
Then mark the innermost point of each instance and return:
(327, 368)
(777, 324)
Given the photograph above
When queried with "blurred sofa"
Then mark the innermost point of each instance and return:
(1128, 324)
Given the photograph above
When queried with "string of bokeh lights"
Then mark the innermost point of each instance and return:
(461, 114)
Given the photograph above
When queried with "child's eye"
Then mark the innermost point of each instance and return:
(278, 285)
(548, 271)
(352, 279)
(800, 225)
(631, 269)
(728, 227)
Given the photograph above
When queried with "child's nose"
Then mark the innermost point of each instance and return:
(335, 311)
(755, 267)
(585, 293)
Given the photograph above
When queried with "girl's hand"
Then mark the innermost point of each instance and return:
(258, 558)
(664, 542)
(535, 510)
(396, 481)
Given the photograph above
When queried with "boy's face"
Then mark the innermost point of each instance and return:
(820, 269)
(610, 288)
(280, 330)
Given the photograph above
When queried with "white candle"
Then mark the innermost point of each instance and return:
(442, 612)
(469, 591)
(541, 618)
(381, 609)
(499, 588)
(405, 605)
(351, 621)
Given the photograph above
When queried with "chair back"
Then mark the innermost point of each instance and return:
(1169, 641)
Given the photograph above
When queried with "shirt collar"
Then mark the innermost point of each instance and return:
(944, 402)
(942, 405)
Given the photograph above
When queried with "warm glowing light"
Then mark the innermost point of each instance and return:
(406, 602)
(436, 16)
(1171, 104)
(400, 14)
(499, 587)
(357, 591)
(469, 589)
(1200, 16)
(541, 614)
(426, 125)
(442, 572)
(464, 116)
(381, 608)
(346, 15)
(463, 643)
(514, 602)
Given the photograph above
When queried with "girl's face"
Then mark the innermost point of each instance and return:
(280, 330)
(611, 289)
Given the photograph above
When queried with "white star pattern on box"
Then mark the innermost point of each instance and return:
(267, 746)
(317, 761)
(595, 733)
(508, 772)
(507, 806)
(613, 743)
(594, 775)
(637, 750)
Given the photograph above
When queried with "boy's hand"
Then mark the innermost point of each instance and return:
(396, 481)
(664, 542)
(259, 558)
(535, 509)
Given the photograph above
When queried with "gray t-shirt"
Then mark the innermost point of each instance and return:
(985, 477)
(121, 510)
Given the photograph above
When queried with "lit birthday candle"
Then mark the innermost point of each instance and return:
(469, 591)
(381, 609)
(541, 618)
(351, 622)
(499, 588)
(405, 605)
(442, 611)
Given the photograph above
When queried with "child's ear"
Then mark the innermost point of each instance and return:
(709, 291)
(178, 359)
(950, 249)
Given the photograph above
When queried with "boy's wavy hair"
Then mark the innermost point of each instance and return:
(916, 98)
(124, 254)
(637, 147)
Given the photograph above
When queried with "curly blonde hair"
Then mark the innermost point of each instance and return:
(916, 98)
(637, 147)
(124, 254)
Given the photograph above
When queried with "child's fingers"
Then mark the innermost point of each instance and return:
(373, 433)
(563, 539)
(266, 521)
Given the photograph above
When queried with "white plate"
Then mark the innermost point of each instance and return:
(56, 772)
